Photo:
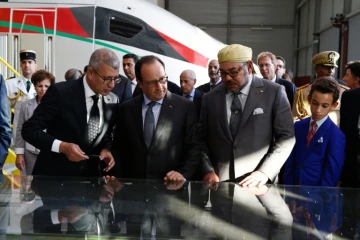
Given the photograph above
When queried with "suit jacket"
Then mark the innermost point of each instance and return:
(5, 130)
(172, 87)
(63, 113)
(205, 88)
(197, 100)
(123, 89)
(290, 89)
(26, 111)
(320, 163)
(349, 117)
(264, 140)
(174, 146)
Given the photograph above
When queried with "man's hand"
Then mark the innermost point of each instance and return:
(72, 214)
(174, 176)
(108, 158)
(20, 162)
(256, 178)
(72, 152)
(211, 177)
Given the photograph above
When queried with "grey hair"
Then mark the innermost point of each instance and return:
(104, 56)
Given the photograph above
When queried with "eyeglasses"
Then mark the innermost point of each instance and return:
(231, 73)
(153, 83)
(280, 66)
(107, 80)
(265, 65)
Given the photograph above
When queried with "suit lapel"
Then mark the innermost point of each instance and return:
(220, 104)
(164, 117)
(257, 90)
(79, 103)
(319, 134)
(138, 118)
(21, 86)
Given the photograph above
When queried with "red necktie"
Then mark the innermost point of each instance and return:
(311, 133)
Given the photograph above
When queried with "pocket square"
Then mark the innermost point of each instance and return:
(258, 111)
(320, 140)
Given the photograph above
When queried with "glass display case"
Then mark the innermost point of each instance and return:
(34, 207)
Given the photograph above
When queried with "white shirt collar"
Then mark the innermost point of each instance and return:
(246, 89)
(24, 79)
(88, 91)
(217, 82)
(134, 81)
(274, 79)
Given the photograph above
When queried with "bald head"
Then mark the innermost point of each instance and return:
(187, 81)
(213, 68)
(72, 74)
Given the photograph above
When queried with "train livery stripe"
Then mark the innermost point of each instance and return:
(190, 55)
(77, 24)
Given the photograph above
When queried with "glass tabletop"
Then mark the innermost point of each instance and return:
(34, 207)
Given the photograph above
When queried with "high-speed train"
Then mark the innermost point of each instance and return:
(64, 33)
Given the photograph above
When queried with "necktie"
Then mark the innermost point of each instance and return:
(188, 96)
(311, 133)
(212, 86)
(149, 124)
(236, 114)
(28, 84)
(94, 120)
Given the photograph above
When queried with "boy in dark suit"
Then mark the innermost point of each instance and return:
(318, 155)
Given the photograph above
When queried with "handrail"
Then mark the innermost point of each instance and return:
(9, 67)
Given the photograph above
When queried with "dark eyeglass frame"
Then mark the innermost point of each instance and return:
(232, 73)
(160, 81)
(107, 80)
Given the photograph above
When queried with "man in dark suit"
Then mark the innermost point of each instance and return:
(245, 125)
(215, 80)
(122, 89)
(77, 116)
(267, 63)
(156, 134)
(5, 130)
(187, 83)
(349, 124)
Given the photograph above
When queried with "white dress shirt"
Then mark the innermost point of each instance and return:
(243, 97)
(274, 79)
(89, 103)
(133, 85)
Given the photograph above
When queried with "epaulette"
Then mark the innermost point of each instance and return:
(304, 86)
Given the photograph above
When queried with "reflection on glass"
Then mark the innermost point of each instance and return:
(135, 209)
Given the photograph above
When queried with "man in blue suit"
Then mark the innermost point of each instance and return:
(187, 83)
(5, 130)
(319, 153)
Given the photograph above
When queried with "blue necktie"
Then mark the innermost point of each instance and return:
(149, 124)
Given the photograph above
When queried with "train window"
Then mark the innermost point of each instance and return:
(124, 28)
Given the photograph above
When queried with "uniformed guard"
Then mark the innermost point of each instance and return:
(324, 65)
(21, 89)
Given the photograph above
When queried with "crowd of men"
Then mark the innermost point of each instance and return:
(237, 127)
